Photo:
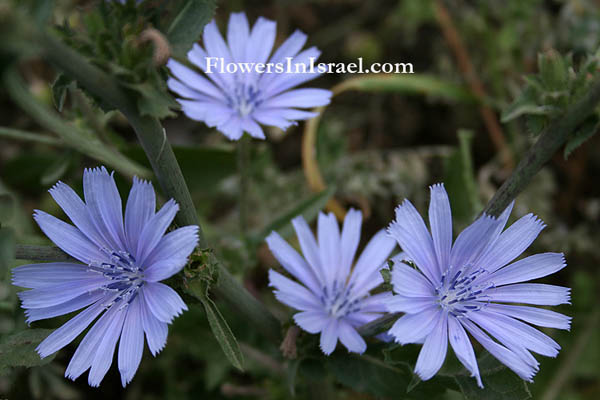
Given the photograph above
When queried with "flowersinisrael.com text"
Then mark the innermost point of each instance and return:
(218, 65)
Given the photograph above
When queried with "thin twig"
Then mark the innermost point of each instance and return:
(29, 136)
(468, 71)
(41, 253)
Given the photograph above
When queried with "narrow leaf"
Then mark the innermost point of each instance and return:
(18, 350)
(188, 24)
(223, 334)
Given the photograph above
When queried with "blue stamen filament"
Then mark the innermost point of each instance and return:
(244, 98)
(460, 295)
(339, 301)
(125, 278)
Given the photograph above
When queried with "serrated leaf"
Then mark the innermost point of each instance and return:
(18, 350)
(188, 24)
(223, 334)
(309, 208)
(588, 129)
(499, 382)
(59, 87)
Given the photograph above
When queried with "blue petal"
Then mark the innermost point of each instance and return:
(131, 345)
(155, 229)
(216, 47)
(309, 247)
(155, 330)
(531, 293)
(293, 262)
(412, 235)
(532, 267)
(329, 337)
(409, 305)
(407, 281)
(370, 262)
(261, 40)
(141, 205)
(462, 348)
(194, 81)
(329, 246)
(68, 238)
(533, 315)
(293, 294)
(299, 98)
(104, 204)
(250, 126)
(36, 314)
(48, 296)
(232, 128)
(312, 321)
(440, 219)
(106, 349)
(350, 338)
(512, 242)
(164, 303)
(43, 275)
(349, 242)
(504, 355)
(411, 328)
(171, 254)
(433, 353)
(70, 330)
(238, 32)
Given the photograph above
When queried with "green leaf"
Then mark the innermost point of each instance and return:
(18, 350)
(57, 169)
(7, 206)
(292, 374)
(60, 87)
(499, 382)
(7, 248)
(309, 208)
(553, 70)
(369, 375)
(152, 101)
(588, 129)
(460, 180)
(188, 24)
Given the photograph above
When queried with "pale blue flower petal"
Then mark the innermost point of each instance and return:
(406, 281)
(287, 80)
(154, 230)
(512, 242)
(261, 40)
(164, 303)
(293, 294)
(141, 205)
(411, 328)
(293, 262)
(531, 293)
(70, 330)
(329, 246)
(195, 81)
(532, 267)
(433, 353)
(409, 305)
(68, 238)
(43, 275)
(412, 235)
(250, 126)
(106, 350)
(349, 242)
(156, 331)
(162, 263)
(370, 262)
(329, 336)
(440, 219)
(131, 346)
(48, 296)
(350, 338)
(533, 315)
(312, 321)
(238, 32)
(309, 247)
(463, 348)
(79, 302)
(303, 98)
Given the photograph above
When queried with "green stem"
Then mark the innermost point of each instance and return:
(154, 141)
(30, 137)
(243, 164)
(40, 253)
(553, 137)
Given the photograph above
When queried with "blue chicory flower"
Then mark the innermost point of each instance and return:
(462, 287)
(123, 262)
(237, 102)
(332, 296)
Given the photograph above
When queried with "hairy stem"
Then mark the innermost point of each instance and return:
(154, 141)
(553, 137)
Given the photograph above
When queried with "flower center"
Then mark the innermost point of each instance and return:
(338, 301)
(459, 295)
(126, 278)
(245, 98)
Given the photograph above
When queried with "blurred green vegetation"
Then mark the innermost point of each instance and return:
(375, 147)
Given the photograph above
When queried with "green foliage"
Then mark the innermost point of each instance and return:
(548, 94)
(188, 24)
(200, 273)
(460, 181)
(18, 350)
